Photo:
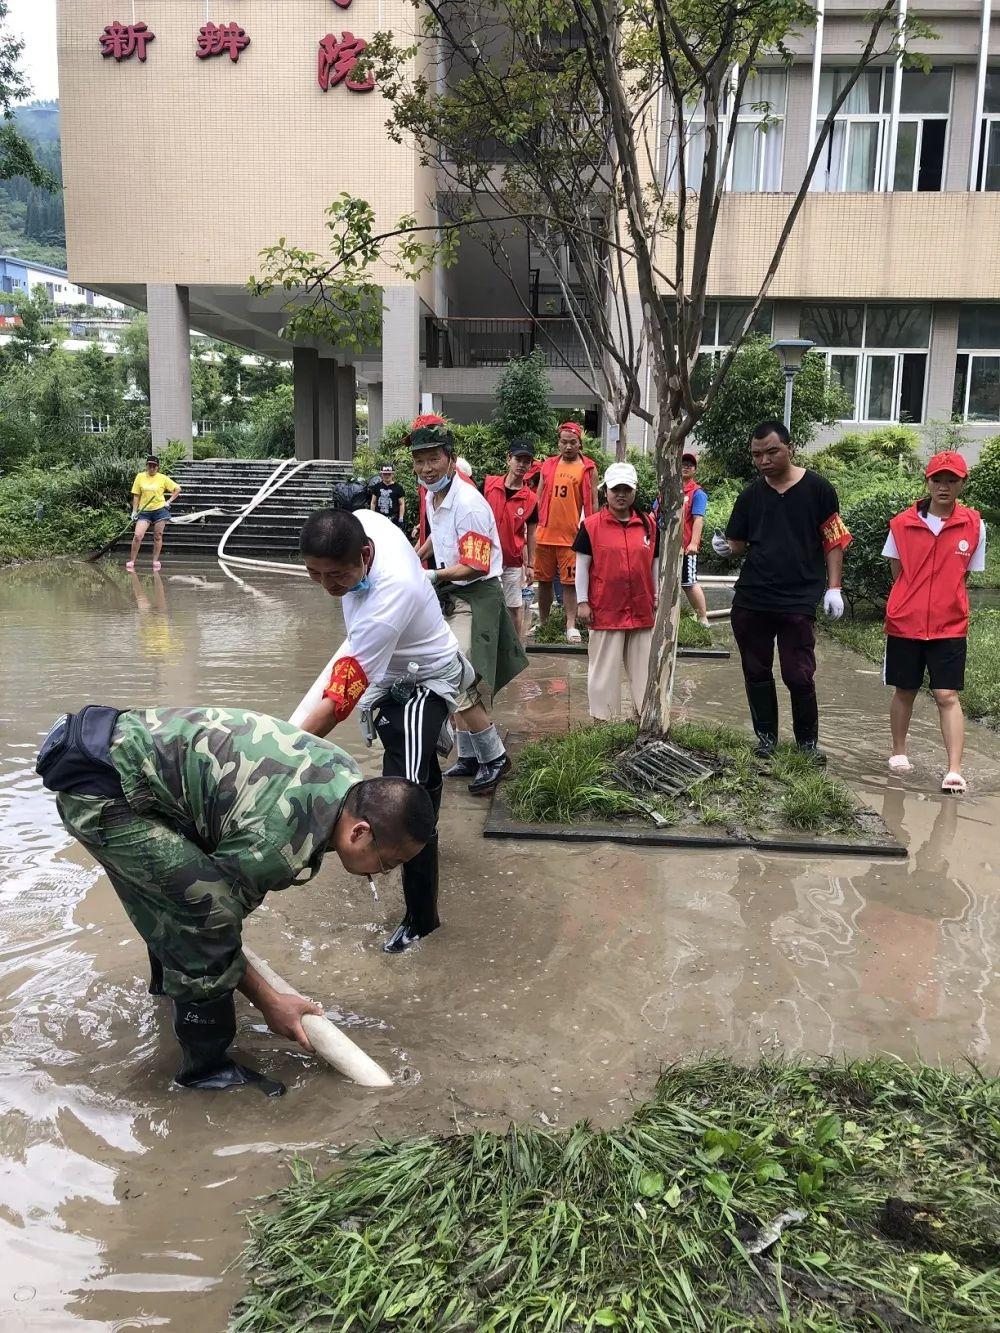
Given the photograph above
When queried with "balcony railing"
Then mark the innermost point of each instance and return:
(464, 342)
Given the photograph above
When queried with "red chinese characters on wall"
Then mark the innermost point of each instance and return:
(221, 39)
(337, 60)
(124, 40)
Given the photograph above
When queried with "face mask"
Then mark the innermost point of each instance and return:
(437, 486)
(364, 583)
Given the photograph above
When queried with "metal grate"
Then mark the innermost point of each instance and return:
(660, 767)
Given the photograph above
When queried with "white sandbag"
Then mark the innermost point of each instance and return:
(327, 1040)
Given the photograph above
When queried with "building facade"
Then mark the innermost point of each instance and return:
(185, 152)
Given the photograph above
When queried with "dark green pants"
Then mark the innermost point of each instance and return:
(174, 894)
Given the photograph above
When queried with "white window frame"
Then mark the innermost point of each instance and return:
(885, 170)
(971, 354)
(988, 120)
(864, 355)
(746, 115)
(715, 347)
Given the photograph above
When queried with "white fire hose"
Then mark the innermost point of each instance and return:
(327, 1040)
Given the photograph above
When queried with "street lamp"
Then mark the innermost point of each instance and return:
(790, 352)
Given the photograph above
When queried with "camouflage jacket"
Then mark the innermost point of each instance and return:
(257, 795)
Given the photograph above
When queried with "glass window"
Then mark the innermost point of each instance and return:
(922, 92)
(991, 100)
(989, 156)
(864, 99)
(881, 383)
(961, 380)
(979, 326)
(731, 317)
(758, 143)
(898, 326)
(911, 386)
(906, 154)
(832, 325)
(844, 371)
(984, 388)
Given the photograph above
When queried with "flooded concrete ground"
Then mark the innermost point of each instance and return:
(562, 979)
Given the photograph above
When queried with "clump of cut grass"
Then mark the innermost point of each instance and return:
(554, 629)
(562, 780)
(651, 1227)
(812, 801)
(692, 634)
(689, 633)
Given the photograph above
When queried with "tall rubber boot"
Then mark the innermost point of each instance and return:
(420, 891)
(205, 1031)
(805, 724)
(763, 700)
(155, 974)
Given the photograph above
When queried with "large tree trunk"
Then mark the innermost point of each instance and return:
(655, 717)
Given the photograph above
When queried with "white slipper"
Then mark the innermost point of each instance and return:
(898, 763)
(573, 635)
(953, 782)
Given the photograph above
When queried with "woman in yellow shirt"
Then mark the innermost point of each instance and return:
(149, 506)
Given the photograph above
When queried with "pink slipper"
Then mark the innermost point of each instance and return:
(898, 763)
(130, 565)
(953, 782)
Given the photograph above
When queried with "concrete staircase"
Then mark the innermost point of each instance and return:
(271, 531)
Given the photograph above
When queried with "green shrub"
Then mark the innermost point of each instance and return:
(753, 391)
(982, 490)
(523, 408)
(896, 444)
(867, 576)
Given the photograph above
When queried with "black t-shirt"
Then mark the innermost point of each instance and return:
(387, 499)
(785, 567)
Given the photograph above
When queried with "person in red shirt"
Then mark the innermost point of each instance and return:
(932, 548)
(515, 507)
(616, 579)
(568, 488)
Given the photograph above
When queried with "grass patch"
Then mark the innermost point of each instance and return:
(981, 696)
(570, 778)
(990, 576)
(689, 634)
(649, 1228)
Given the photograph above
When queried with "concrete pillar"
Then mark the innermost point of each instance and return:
(431, 402)
(374, 415)
(326, 407)
(347, 411)
(305, 380)
(941, 363)
(400, 354)
(169, 364)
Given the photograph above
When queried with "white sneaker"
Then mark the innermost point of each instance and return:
(574, 636)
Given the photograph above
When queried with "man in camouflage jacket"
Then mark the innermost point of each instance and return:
(219, 807)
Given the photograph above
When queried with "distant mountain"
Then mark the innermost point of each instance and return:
(32, 222)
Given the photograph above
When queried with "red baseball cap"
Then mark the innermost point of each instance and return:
(948, 461)
(574, 426)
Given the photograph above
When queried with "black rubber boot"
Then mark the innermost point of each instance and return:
(805, 719)
(205, 1032)
(420, 890)
(465, 766)
(155, 974)
(763, 700)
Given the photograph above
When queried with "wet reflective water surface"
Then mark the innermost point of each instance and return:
(562, 978)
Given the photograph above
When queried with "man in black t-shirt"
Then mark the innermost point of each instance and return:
(788, 524)
(388, 497)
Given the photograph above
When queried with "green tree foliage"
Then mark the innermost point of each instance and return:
(753, 391)
(133, 349)
(523, 393)
(16, 157)
(982, 491)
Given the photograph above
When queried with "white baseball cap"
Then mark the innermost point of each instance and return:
(621, 474)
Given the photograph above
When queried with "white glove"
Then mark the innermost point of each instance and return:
(833, 603)
(432, 575)
(720, 546)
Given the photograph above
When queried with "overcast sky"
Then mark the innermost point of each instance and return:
(35, 21)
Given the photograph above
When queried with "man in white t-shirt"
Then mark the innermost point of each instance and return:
(466, 563)
(400, 663)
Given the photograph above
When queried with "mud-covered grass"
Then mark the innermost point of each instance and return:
(886, 1177)
(690, 633)
(981, 696)
(572, 777)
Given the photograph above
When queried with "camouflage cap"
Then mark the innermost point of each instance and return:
(431, 437)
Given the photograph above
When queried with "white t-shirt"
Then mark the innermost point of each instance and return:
(464, 532)
(935, 522)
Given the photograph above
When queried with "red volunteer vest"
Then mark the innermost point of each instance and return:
(511, 513)
(622, 594)
(547, 470)
(929, 600)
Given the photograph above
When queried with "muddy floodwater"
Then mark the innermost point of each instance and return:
(562, 979)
